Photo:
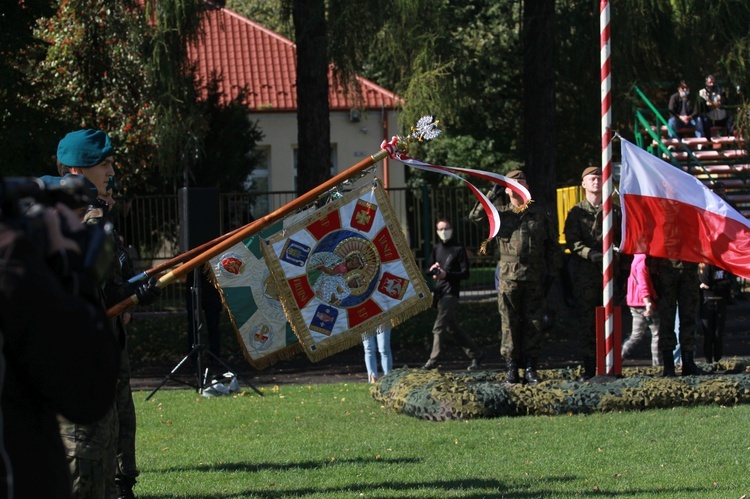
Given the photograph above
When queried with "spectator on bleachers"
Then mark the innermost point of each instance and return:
(711, 107)
(683, 113)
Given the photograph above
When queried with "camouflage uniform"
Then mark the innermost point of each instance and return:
(103, 452)
(584, 239)
(529, 257)
(676, 283)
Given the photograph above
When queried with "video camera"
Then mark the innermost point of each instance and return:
(22, 203)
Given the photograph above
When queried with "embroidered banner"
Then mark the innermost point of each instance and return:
(344, 271)
(251, 299)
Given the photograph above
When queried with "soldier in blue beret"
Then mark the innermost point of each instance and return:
(102, 454)
(88, 153)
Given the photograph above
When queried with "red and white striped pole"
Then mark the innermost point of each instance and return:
(606, 115)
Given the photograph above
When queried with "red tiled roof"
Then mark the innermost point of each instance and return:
(245, 53)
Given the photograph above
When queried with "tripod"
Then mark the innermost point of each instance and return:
(198, 349)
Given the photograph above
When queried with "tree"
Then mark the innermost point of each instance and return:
(313, 122)
(92, 76)
(539, 124)
(229, 143)
(27, 135)
(105, 67)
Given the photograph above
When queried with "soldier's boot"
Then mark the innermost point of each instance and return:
(530, 374)
(125, 486)
(667, 357)
(512, 377)
(589, 369)
(688, 365)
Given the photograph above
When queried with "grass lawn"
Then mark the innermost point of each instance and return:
(335, 441)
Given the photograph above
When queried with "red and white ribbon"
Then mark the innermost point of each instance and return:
(492, 216)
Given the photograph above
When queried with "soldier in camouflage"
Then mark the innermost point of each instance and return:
(678, 288)
(101, 455)
(584, 239)
(529, 258)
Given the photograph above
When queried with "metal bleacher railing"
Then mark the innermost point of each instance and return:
(718, 159)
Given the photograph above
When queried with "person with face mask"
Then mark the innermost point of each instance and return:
(449, 265)
(682, 112)
(711, 102)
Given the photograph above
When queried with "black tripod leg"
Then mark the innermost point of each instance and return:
(215, 357)
(174, 370)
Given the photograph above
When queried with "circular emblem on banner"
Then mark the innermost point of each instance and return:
(231, 265)
(343, 268)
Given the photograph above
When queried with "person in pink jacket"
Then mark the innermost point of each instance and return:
(642, 302)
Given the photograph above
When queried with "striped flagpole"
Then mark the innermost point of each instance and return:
(606, 114)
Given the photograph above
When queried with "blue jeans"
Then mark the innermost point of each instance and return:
(676, 124)
(383, 342)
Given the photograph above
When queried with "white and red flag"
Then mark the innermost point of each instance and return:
(670, 214)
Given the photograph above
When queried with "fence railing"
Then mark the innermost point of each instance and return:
(150, 226)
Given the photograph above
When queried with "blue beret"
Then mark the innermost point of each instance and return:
(84, 149)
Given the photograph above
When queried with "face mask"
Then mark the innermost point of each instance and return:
(684, 93)
(445, 234)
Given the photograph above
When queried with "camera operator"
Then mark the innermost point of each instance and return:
(102, 456)
(60, 353)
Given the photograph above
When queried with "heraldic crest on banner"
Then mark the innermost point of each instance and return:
(251, 298)
(344, 271)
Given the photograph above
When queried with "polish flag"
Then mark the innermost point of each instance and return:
(670, 214)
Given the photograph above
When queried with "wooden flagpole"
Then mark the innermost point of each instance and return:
(183, 257)
(253, 227)
(425, 129)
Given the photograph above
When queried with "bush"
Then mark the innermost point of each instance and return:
(442, 396)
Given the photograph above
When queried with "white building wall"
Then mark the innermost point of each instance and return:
(354, 141)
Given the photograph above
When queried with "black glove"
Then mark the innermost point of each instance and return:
(596, 256)
(147, 292)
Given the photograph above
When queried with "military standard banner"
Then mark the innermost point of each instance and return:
(344, 271)
(251, 298)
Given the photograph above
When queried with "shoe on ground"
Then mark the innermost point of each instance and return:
(512, 378)
(430, 364)
(531, 377)
(476, 361)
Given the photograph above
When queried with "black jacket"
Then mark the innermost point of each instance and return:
(451, 255)
(60, 357)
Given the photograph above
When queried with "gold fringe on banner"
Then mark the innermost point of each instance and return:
(318, 343)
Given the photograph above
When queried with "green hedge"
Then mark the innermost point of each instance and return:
(439, 396)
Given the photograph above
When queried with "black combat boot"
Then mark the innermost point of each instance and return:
(125, 486)
(530, 374)
(589, 369)
(688, 365)
(512, 377)
(667, 358)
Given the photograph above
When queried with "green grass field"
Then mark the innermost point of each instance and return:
(335, 441)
